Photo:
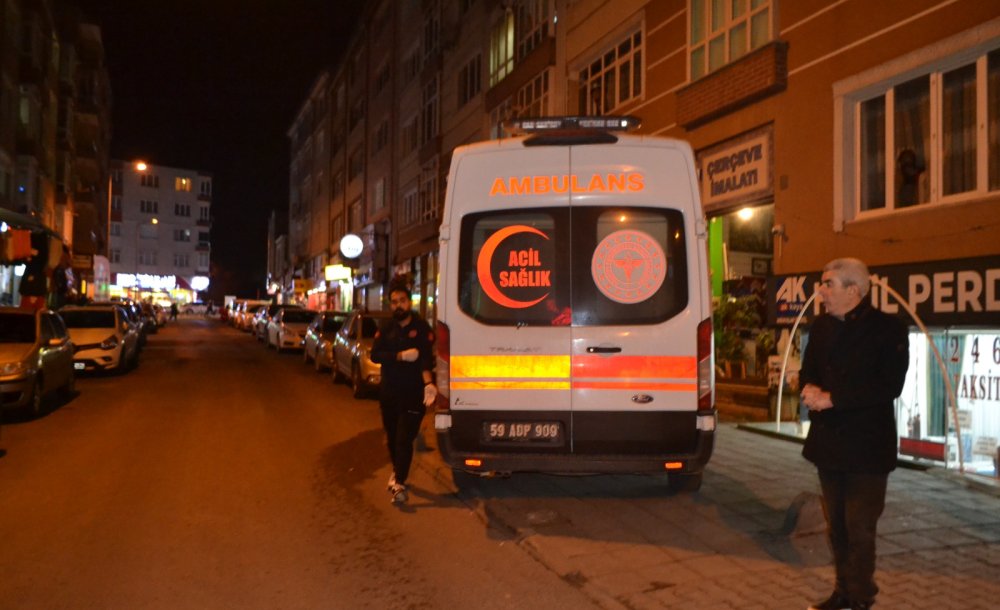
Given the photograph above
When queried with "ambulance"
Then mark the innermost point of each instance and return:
(574, 314)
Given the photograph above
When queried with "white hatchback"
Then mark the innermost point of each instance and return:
(104, 339)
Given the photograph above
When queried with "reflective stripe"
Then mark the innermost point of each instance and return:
(655, 367)
(505, 367)
(634, 385)
(510, 385)
(583, 372)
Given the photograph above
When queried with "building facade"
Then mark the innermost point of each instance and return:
(55, 130)
(160, 231)
(821, 128)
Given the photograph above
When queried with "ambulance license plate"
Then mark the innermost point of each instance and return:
(533, 431)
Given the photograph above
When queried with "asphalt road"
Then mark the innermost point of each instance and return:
(223, 475)
(219, 474)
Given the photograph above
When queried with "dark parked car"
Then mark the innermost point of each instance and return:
(36, 358)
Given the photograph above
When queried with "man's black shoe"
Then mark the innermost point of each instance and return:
(861, 605)
(836, 601)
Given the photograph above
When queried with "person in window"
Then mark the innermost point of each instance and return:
(404, 348)
(853, 369)
(909, 168)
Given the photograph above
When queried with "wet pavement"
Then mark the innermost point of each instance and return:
(753, 537)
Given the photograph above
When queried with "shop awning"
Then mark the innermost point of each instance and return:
(182, 283)
(23, 221)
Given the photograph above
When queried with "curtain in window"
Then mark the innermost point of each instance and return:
(959, 130)
(912, 145)
(993, 117)
(873, 154)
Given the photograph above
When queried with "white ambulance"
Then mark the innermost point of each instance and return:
(574, 316)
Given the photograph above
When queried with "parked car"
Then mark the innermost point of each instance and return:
(262, 318)
(162, 314)
(258, 325)
(149, 319)
(36, 358)
(287, 328)
(244, 313)
(104, 338)
(133, 314)
(318, 344)
(352, 351)
(196, 307)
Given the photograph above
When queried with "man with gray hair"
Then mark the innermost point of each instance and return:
(853, 369)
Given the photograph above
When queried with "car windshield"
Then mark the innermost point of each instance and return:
(88, 318)
(368, 327)
(17, 328)
(299, 315)
(332, 325)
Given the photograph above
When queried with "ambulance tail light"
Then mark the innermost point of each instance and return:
(443, 363)
(706, 368)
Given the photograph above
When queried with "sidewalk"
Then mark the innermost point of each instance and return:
(628, 543)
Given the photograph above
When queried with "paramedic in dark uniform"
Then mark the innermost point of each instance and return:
(404, 348)
(853, 369)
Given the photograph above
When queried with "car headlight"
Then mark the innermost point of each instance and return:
(19, 367)
(110, 343)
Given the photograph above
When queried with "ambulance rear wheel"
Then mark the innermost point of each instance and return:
(684, 482)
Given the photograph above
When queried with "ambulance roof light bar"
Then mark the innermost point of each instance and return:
(541, 125)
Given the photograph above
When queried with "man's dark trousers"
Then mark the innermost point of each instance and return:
(853, 503)
(401, 417)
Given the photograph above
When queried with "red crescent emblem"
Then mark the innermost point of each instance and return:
(486, 257)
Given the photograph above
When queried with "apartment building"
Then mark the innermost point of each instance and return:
(55, 131)
(160, 242)
(822, 129)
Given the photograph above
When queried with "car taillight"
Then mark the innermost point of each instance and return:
(706, 366)
(443, 362)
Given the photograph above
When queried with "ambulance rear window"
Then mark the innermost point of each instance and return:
(585, 266)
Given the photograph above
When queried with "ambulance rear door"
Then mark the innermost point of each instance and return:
(509, 273)
(634, 302)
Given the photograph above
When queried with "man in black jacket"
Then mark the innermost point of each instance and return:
(404, 348)
(853, 369)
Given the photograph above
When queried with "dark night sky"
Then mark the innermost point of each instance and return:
(213, 85)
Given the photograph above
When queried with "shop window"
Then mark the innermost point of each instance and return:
(722, 31)
(925, 422)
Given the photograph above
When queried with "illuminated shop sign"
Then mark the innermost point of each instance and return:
(958, 292)
(199, 282)
(738, 171)
(351, 246)
(335, 273)
(147, 281)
